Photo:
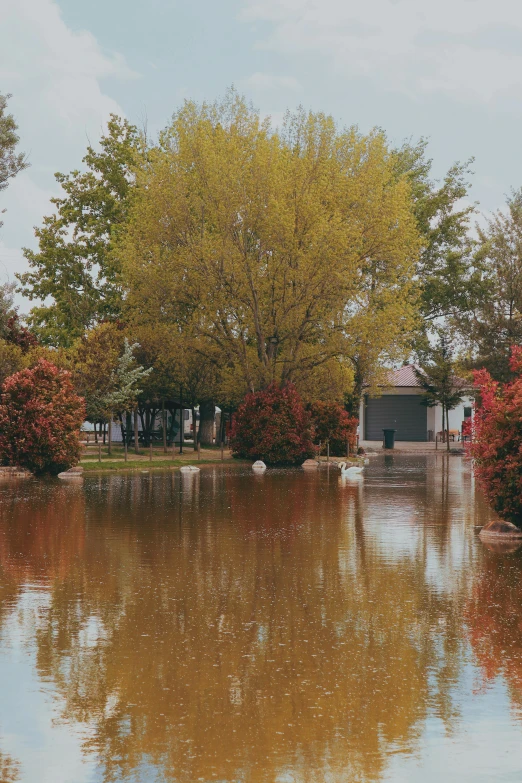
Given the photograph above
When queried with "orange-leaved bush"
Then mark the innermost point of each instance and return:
(334, 425)
(274, 426)
(40, 419)
(497, 441)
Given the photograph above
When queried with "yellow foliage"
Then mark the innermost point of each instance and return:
(284, 252)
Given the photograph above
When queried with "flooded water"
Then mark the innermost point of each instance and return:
(288, 627)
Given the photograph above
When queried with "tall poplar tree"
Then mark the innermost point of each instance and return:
(494, 324)
(446, 270)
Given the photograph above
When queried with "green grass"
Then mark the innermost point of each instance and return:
(135, 464)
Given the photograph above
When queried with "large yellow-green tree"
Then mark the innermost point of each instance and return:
(286, 251)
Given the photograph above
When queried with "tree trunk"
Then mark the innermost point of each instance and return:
(109, 435)
(164, 425)
(447, 428)
(136, 431)
(353, 401)
(207, 413)
(171, 435)
(222, 430)
(122, 428)
(147, 426)
(194, 429)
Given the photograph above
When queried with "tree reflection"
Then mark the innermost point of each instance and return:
(9, 769)
(494, 615)
(239, 628)
(42, 531)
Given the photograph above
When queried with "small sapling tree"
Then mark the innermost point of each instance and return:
(437, 376)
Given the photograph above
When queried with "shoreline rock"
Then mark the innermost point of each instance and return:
(72, 473)
(498, 530)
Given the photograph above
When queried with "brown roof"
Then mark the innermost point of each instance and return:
(405, 376)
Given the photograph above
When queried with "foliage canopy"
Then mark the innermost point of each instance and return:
(285, 251)
(40, 419)
(497, 440)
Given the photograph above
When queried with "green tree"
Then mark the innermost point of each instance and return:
(93, 359)
(495, 322)
(438, 377)
(11, 162)
(124, 381)
(7, 308)
(73, 267)
(448, 279)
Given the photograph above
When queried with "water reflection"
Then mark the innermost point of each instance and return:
(494, 615)
(9, 769)
(240, 627)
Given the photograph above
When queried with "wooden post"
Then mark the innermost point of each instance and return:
(99, 452)
(150, 451)
(181, 421)
(222, 456)
(199, 450)
(136, 432)
(164, 420)
(125, 449)
(109, 435)
(328, 451)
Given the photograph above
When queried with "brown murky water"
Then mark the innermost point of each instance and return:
(280, 628)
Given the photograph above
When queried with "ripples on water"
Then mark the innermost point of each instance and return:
(288, 627)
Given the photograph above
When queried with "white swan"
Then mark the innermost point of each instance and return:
(353, 470)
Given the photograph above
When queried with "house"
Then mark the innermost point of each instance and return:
(400, 408)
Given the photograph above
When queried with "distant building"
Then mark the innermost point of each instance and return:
(400, 408)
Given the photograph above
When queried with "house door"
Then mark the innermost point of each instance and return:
(401, 412)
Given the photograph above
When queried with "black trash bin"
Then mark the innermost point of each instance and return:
(389, 439)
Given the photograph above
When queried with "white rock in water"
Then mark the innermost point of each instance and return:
(70, 475)
(310, 463)
(189, 469)
(259, 465)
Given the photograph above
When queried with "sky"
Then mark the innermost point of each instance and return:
(450, 71)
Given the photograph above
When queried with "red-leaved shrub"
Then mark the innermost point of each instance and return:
(333, 424)
(497, 441)
(40, 420)
(274, 426)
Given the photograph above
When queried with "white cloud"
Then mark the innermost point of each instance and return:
(468, 48)
(56, 76)
(51, 68)
(270, 81)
